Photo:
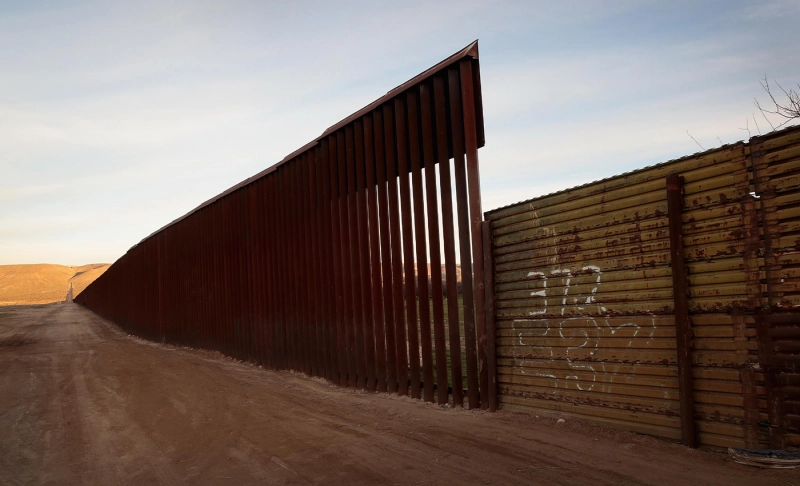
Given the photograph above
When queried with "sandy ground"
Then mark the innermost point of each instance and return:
(43, 283)
(81, 402)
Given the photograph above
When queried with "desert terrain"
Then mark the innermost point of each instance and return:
(44, 283)
(82, 402)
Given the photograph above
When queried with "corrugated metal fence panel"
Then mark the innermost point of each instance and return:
(776, 161)
(584, 298)
(723, 270)
(310, 264)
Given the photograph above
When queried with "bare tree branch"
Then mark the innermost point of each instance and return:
(747, 125)
(789, 110)
(765, 116)
(695, 141)
(754, 121)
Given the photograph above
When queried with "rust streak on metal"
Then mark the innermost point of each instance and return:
(682, 324)
(491, 332)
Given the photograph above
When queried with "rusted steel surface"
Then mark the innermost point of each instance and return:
(776, 161)
(426, 339)
(357, 341)
(680, 296)
(368, 341)
(776, 169)
(491, 346)
(404, 169)
(448, 234)
(398, 305)
(386, 253)
(585, 309)
(375, 258)
(320, 263)
(469, 80)
(432, 204)
(459, 170)
(333, 303)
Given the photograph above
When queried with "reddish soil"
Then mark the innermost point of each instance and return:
(81, 402)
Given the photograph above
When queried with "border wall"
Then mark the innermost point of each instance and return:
(585, 306)
(310, 264)
(662, 301)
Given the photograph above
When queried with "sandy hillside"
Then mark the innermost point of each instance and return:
(43, 282)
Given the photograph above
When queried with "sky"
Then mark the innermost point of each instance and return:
(118, 117)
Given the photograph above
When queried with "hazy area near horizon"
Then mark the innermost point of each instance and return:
(117, 118)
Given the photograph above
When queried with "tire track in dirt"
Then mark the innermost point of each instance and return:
(85, 403)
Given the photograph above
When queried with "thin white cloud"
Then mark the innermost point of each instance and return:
(768, 10)
(117, 118)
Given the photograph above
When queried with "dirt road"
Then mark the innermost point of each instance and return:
(81, 402)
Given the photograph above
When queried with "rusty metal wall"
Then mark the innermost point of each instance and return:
(310, 265)
(586, 308)
(776, 166)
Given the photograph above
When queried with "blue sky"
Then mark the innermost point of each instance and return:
(118, 117)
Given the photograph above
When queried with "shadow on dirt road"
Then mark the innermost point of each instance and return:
(81, 402)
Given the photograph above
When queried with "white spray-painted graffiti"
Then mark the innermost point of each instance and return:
(589, 339)
(588, 336)
(566, 274)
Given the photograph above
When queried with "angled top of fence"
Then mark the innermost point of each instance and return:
(470, 51)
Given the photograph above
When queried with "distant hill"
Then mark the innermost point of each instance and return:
(43, 283)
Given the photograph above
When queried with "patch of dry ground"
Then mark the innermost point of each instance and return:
(44, 282)
(81, 402)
